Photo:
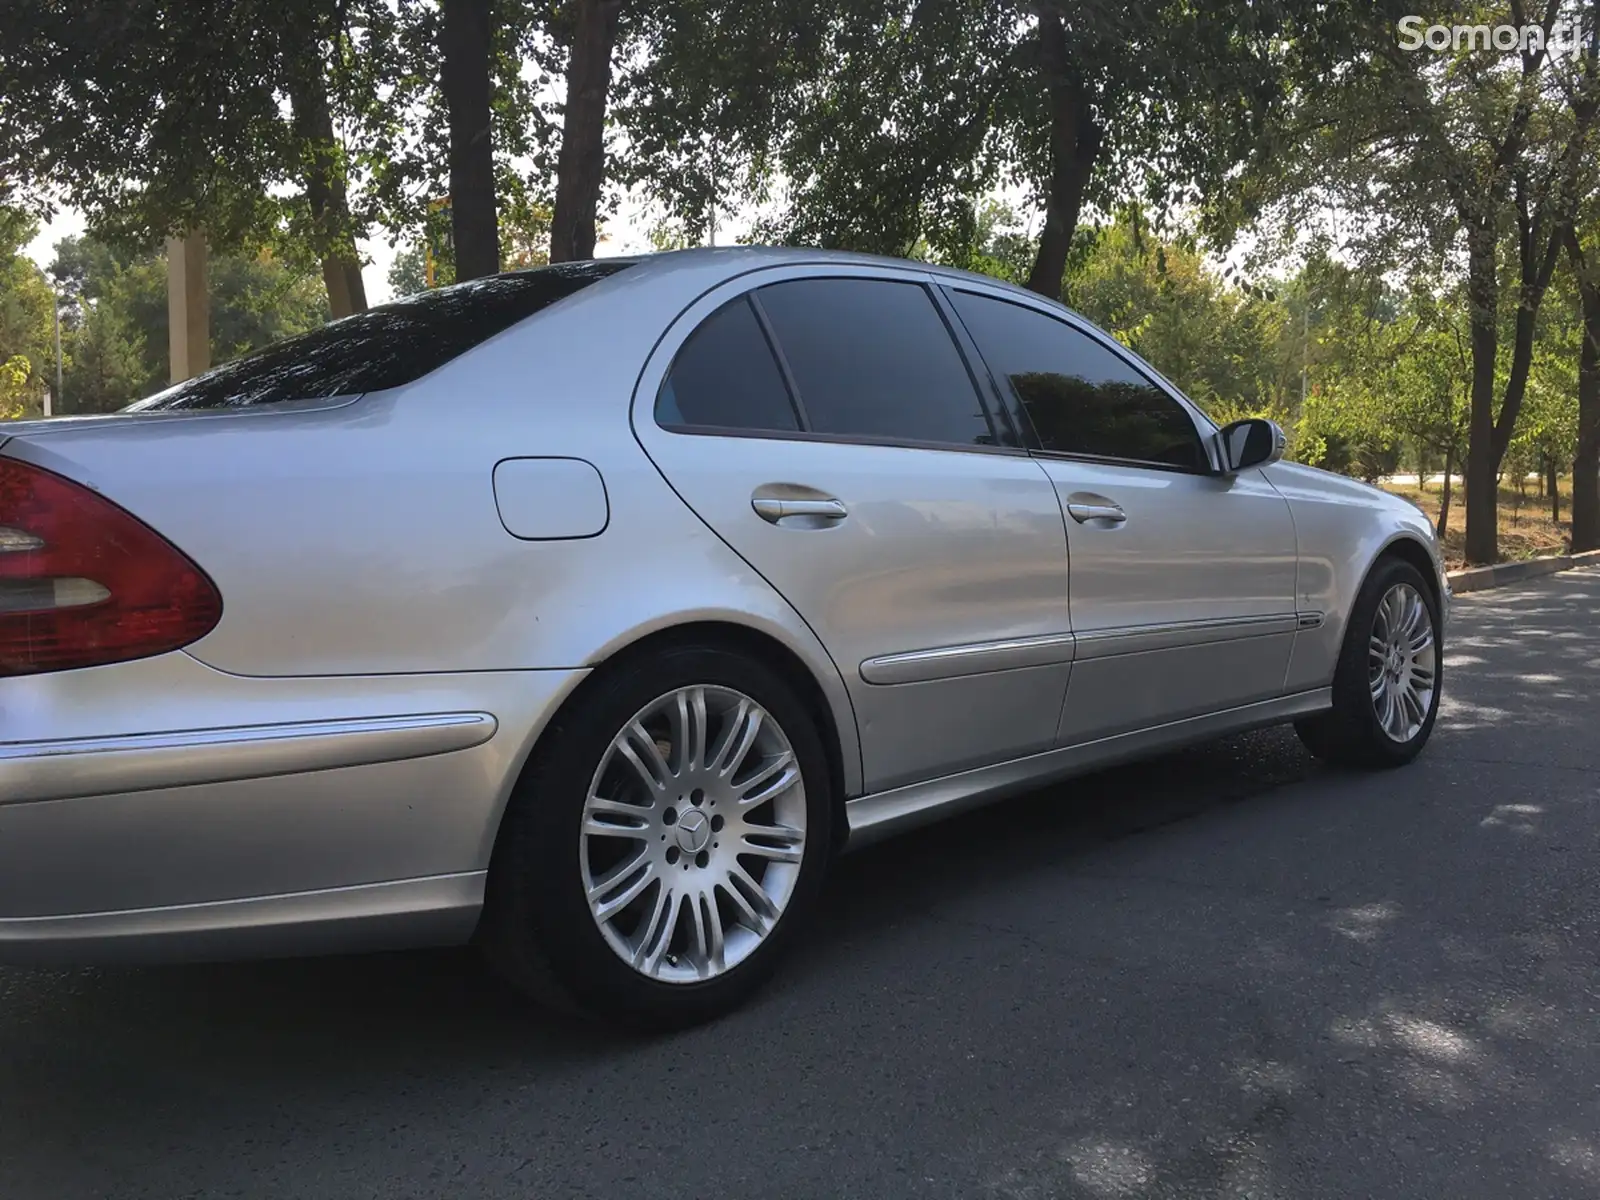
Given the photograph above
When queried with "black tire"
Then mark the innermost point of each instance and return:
(1350, 733)
(537, 929)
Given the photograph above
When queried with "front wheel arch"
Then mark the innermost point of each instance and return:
(1349, 733)
(1410, 550)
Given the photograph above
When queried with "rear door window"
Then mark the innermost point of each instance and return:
(725, 377)
(383, 347)
(873, 359)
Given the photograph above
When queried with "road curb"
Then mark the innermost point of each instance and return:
(1477, 579)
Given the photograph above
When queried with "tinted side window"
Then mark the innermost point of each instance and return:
(725, 376)
(382, 347)
(1082, 398)
(873, 358)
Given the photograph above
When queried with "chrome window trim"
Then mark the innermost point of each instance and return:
(747, 284)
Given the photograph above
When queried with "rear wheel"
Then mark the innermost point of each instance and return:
(666, 843)
(1386, 687)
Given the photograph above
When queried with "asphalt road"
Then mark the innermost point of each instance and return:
(1227, 973)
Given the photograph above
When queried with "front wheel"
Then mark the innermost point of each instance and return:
(1386, 687)
(666, 843)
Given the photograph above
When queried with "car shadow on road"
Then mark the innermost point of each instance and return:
(174, 1044)
(385, 1003)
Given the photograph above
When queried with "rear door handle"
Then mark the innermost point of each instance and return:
(819, 512)
(1083, 512)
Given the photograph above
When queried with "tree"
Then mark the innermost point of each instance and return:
(150, 117)
(107, 360)
(467, 46)
(1584, 252)
(580, 171)
(306, 68)
(408, 273)
(524, 243)
(1473, 146)
(116, 349)
(15, 373)
(884, 123)
(157, 117)
(1428, 399)
(1217, 344)
(1582, 246)
(27, 351)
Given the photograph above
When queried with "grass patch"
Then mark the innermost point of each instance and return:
(1525, 528)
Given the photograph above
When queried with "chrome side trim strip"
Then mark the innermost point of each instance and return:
(434, 910)
(1135, 639)
(978, 658)
(136, 762)
(874, 817)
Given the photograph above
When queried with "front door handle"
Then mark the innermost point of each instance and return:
(815, 513)
(1084, 511)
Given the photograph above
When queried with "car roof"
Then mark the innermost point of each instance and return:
(738, 259)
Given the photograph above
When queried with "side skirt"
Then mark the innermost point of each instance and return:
(884, 813)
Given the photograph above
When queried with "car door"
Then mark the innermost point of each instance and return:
(826, 426)
(1183, 579)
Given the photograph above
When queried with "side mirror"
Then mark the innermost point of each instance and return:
(1253, 442)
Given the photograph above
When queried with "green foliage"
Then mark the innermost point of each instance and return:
(883, 125)
(115, 350)
(27, 338)
(402, 148)
(150, 116)
(524, 242)
(14, 378)
(1211, 340)
(408, 273)
(999, 245)
(106, 366)
(887, 121)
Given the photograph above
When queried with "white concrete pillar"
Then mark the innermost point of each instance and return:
(188, 306)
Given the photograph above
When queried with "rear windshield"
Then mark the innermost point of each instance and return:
(382, 347)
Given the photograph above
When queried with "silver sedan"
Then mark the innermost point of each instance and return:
(588, 612)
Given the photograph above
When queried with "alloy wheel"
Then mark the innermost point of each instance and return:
(1402, 663)
(693, 834)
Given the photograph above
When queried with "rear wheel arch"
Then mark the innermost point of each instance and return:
(742, 639)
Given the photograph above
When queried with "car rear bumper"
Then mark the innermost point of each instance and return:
(164, 809)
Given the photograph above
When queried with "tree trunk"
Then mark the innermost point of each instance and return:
(1553, 478)
(467, 43)
(332, 230)
(1586, 462)
(1444, 493)
(580, 170)
(1075, 140)
(1482, 540)
(1491, 434)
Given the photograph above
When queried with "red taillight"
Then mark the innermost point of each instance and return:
(83, 583)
